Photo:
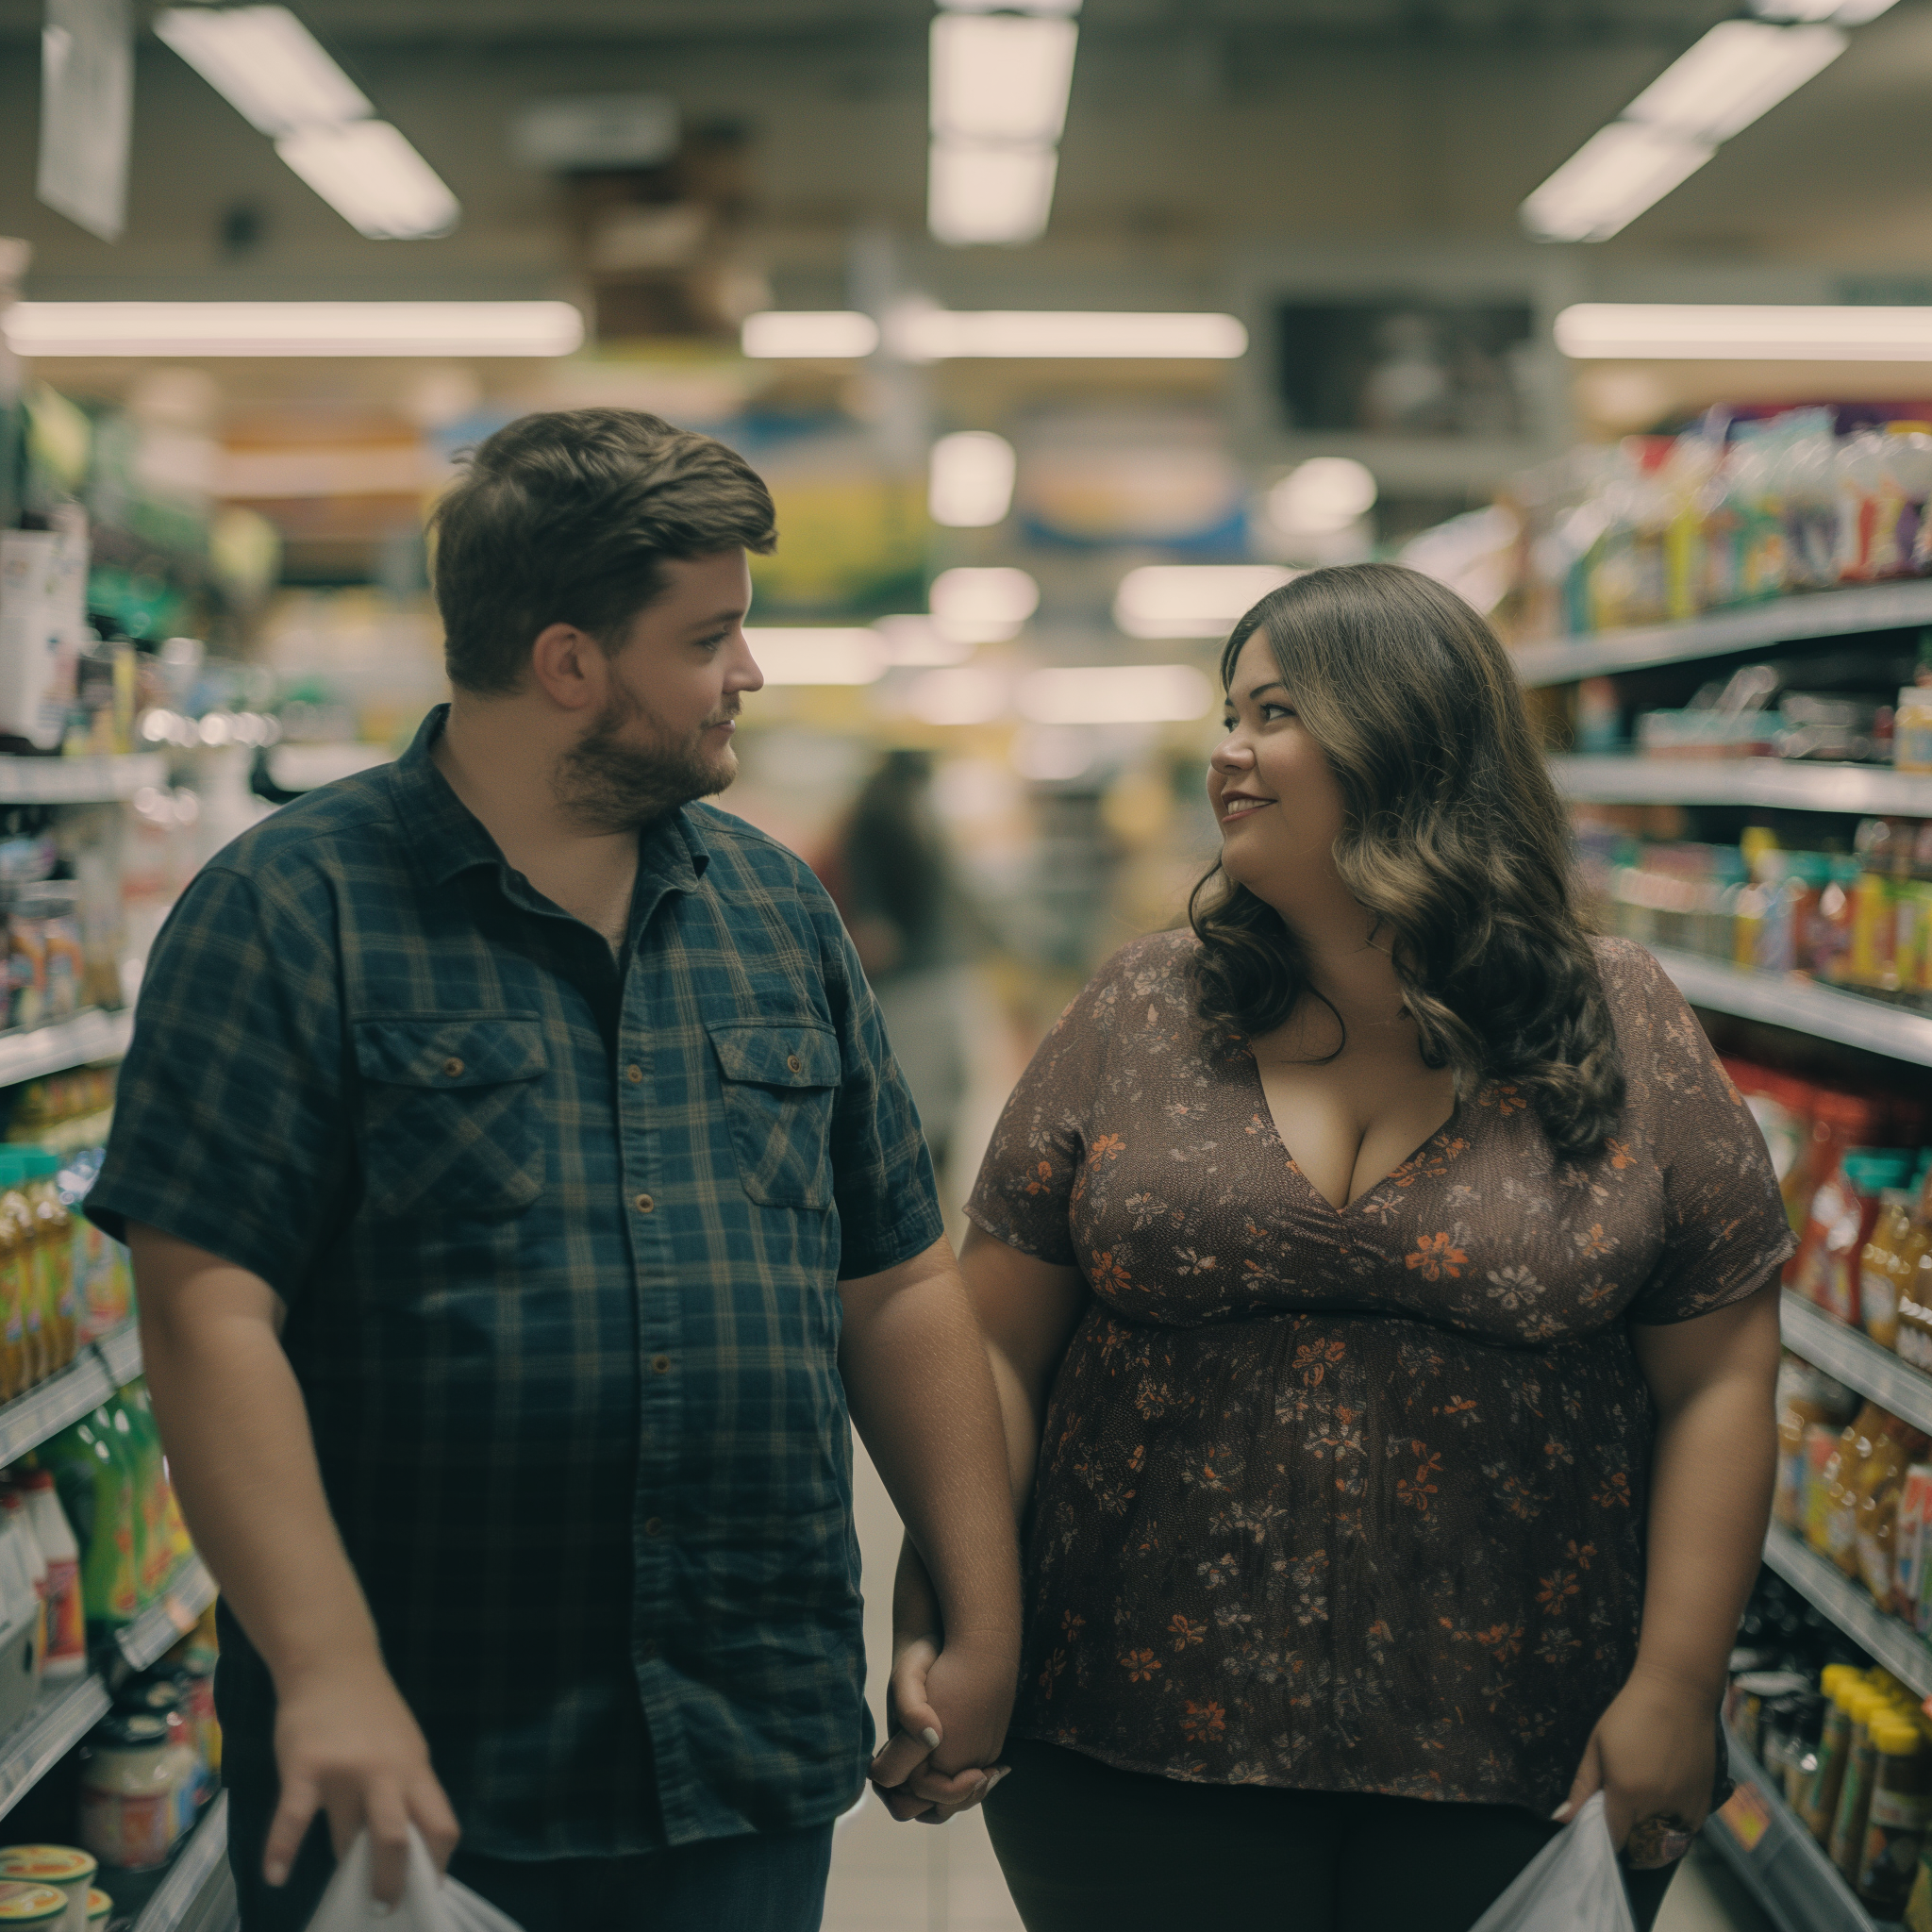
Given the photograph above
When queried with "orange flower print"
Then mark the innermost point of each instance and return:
(1071, 1624)
(1615, 1494)
(1140, 1665)
(1203, 1722)
(1107, 1276)
(1580, 1554)
(1315, 1358)
(1108, 1147)
(1621, 1156)
(1186, 1632)
(1435, 1255)
(1041, 1182)
(1051, 1671)
(1595, 1242)
(1553, 1593)
(1416, 1493)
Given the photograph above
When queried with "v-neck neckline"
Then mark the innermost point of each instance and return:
(1267, 1117)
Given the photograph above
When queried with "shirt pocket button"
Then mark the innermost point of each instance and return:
(643, 1204)
(654, 1525)
(661, 1365)
(793, 1062)
(454, 1069)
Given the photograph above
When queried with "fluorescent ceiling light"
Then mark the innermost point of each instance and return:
(1322, 496)
(1193, 600)
(373, 179)
(1721, 332)
(1115, 694)
(982, 195)
(937, 335)
(266, 63)
(808, 335)
(292, 329)
(812, 655)
(973, 695)
(1740, 69)
(1062, 7)
(982, 606)
(1001, 78)
(915, 639)
(1842, 12)
(1617, 174)
(970, 483)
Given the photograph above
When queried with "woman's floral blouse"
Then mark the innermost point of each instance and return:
(1353, 1500)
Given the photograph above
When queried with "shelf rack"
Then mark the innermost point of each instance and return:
(81, 1041)
(1783, 1866)
(63, 1398)
(1827, 1587)
(1773, 784)
(198, 1894)
(64, 1716)
(1857, 1361)
(90, 780)
(1801, 1005)
(1784, 621)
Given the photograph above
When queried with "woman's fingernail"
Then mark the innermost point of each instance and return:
(1561, 1815)
(1005, 1771)
(277, 1872)
(930, 1738)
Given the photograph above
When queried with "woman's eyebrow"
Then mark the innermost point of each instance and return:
(1273, 684)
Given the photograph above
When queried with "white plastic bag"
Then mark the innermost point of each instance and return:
(1573, 1885)
(428, 1904)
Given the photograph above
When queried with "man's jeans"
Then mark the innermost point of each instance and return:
(772, 1882)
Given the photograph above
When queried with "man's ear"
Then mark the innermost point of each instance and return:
(568, 667)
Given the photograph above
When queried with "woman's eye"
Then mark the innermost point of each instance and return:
(1277, 711)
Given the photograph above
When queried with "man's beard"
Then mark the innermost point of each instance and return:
(607, 785)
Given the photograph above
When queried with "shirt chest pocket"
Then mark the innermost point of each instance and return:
(452, 1121)
(780, 1078)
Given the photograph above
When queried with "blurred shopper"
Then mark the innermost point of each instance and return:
(520, 1190)
(1393, 1272)
(912, 928)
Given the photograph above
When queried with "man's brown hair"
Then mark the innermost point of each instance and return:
(569, 517)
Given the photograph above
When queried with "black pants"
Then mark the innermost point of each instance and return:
(1087, 1848)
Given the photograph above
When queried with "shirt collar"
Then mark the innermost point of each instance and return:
(444, 836)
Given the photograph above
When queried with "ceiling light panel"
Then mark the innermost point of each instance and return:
(265, 63)
(1001, 77)
(292, 329)
(1617, 174)
(1115, 694)
(1193, 600)
(937, 334)
(1738, 70)
(989, 196)
(970, 481)
(808, 335)
(371, 176)
(1732, 332)
(817, 655)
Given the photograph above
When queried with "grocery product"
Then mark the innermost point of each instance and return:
(100, 1909)
(66, 1653)
(130, 1774)
(1912, 1541)
(14, 1508)
(66, 1869)
(32, 1904)
(1806, 1397)
(1911, 741)
(1900, 1809)
(97, 1490)
(1877, 1489)
(1839, 1478)
(1827, 1267)
(1885, 1267)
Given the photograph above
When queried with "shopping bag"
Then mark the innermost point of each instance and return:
(1573, 1885)
(428, 1904)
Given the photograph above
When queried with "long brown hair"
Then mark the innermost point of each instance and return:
(1453, 838)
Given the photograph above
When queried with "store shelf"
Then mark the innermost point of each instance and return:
(64, 1715)
(1801, 1004)
(78, 781)
(1857, 1361)
(1769, 783)
(159, 1628)
(64, 1397)
(89, 1130)
(198, 1894)
(121, 1351)
(1789, 620)
(1828, 1588)
(1783, 1866)
(81, 1041)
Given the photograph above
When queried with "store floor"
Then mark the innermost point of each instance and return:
(888, 1877)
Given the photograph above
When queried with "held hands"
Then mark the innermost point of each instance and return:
(948, 1710)
(346, 1742)
(1654, 1756)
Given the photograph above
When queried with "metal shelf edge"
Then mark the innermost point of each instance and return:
(74, 1392)
(1784, 1868)
(120, 1351)
(202, 1859)
(94, 779)
(1604, 779)
(1824, 1586)
(1821, 1011)
(161, 1625)
(1856, 1360)
(47, 1734)
(77, 1042)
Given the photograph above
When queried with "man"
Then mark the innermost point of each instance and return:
(520, 1188)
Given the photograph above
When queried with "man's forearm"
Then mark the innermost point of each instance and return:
(244, 1461)
(922, 1398)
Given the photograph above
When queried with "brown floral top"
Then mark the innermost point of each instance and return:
(1352, 1499)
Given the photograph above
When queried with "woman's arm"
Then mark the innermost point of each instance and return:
(1027, 1311)
(1713, 1379)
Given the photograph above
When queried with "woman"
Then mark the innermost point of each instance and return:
(1380, 1279)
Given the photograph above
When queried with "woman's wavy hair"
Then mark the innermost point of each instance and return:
(1453, 838)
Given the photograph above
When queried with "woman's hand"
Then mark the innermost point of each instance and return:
(977, 1692)
(1654, 1756)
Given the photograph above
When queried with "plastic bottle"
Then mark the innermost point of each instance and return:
(1880, 1481)
(18, 1213)
(1883, 1269)
(1808, 489)
(1908, 481)
(1911, 739)
(1848, 1842)
(141, 1443)
(177, 1545)
(1859, 472)
(1900, 1810)
(14, 1507)
(55, 1254)
(16, 1258)
(1848, 1691)
(96, 1491)
(66, 1612)
(1841, 1478)
(1872, 962)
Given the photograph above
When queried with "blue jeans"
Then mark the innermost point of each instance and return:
(770, 1882)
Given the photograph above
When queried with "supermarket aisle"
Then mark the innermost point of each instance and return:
(888, 1877)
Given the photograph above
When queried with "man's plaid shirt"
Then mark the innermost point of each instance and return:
(560, 1240)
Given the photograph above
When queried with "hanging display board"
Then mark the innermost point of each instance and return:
(87, 110)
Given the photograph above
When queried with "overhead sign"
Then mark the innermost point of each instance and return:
(87, 110)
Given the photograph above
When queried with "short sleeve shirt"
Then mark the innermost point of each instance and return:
(1353, 1500)
(560, 1240)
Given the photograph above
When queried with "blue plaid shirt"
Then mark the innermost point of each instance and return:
(559, 1238)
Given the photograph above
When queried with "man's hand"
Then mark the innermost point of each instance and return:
(948, 1711)
(345, 1740)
